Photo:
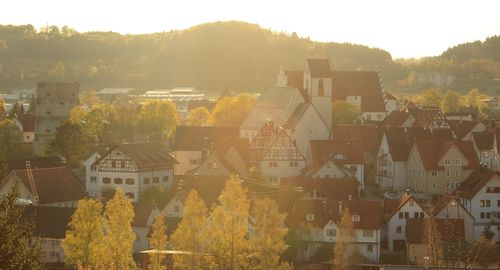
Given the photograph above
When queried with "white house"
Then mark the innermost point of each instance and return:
(479, 194)
(486, 146)
(134, 168)
(91, 185)
(144, 217)
(317, 221)
(396, 214)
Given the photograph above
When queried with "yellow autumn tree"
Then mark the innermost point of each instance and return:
(267, 241)
(158, 242)
(198, 117)
(83, 243)
(191, 235)
(228, 227)
(119, 236)
(343, 249)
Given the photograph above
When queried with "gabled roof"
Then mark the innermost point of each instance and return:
(319, 67)
(396, 118)
(319, 164)
(370, 212)
(339, 189)
(53, 185)
(431, 151)
(448, 200)
(201, 138)
(391, 207)
(475, 181)
(359, 83)
(462, 128)
(326, 149)
(483, 140)
(49, 222)
(400, 141)
(368, 135)
(297, 115)
(35, 163)
(221, 161)
(449, 230)
(295, 78)
(261, 142)
(390, 96)
(282, 148)
(145, 155)
(142, 213)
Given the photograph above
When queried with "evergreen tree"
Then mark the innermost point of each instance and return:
(83, 244)
(191, 235)
(118, 234)
(158, 243)
(18, 250)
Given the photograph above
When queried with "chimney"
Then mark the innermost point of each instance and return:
(407, 192)
(324, 206)
(340, 207)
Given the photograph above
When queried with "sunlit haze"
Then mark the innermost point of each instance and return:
(404, 28)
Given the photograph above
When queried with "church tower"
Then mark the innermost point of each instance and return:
(318, 84)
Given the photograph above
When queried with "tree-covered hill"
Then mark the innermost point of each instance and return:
(215, 56)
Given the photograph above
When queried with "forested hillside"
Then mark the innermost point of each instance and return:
(216, 56)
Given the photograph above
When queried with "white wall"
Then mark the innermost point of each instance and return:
(283, 169)
(187, 161)
(395, 221)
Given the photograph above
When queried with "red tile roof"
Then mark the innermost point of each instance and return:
(54, 185)
(431, 151)
(400, 141)
(483, 140)
(391, 207)
(145, 155)
(142, 213)
(339, 189)
(370, 213)
(359, 83)
(49, 222)
(198, 138)
(396, 118)
(368, 135)
(319, 68)
(322, 150)
(475, 181)
(28, 122)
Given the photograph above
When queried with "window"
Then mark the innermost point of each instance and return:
(369, 248)
(273, 164)
(129, 181)
(457, 173)
(321, 88)
(194, 161)
(448, 173)
(340, 156)
(367, 233)
(118, 181)
(399, 229)
(294, 164)
(309, 217)
(493, 190)
(415, 215)
(498, 203)
(176, 208)
(146, 181)
(355, 218)
(156, 180)
(131, 195)
(164, 179)
(458, 162)
(93, 179)
(61, 103)
(400, 215)
(122, 163)
(331, 233)
(447, 162)
(434, 173)
(484, 203)
(93, 167)
(48, 112)
(485, 215)
(113, 164)
(421, 214)
(434, 186)
(106, 180)
(407, 215)
(214, 165)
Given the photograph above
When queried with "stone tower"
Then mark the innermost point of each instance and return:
(318, 84)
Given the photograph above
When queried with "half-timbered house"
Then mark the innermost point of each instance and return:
(135, 168)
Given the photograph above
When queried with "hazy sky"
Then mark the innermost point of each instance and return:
(404, 28)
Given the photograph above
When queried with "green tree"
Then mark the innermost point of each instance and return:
(228, 227)
(198, 117)
(345, 113)
(232, 111)
(158, 119)
(191, 234)
(18, 249)
(70, 142)
(17, 110)
(158, 242)
(430, 97)
(343, 249)
(89, 97)
(125, 120)
(94, 121)
(267, 243)
(11, 139)
(472, 98)
(451, 102)
(118, 234)
(157, 195)
(84, 241)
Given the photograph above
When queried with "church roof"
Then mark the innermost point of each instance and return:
(319, 67)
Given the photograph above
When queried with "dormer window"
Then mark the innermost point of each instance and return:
(356, 218)
(340, 156)
(310, 217)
